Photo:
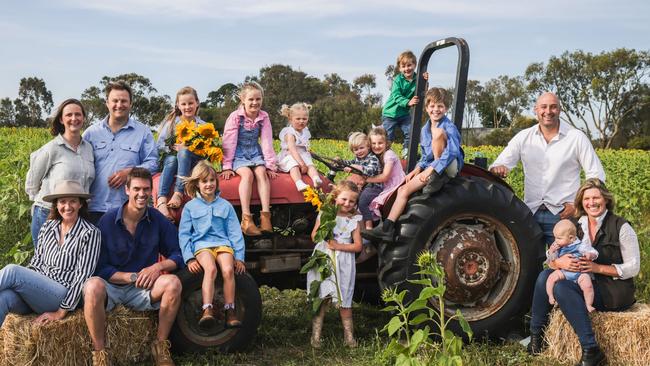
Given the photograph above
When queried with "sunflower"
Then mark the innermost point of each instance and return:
(207, 130)
(185, 131)
(311, 195)
(214, 154)
(198, 147)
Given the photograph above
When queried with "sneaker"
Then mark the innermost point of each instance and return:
(231, 319)
(160, 353)
(436, 182)
(301, 186)
(207, 320)
(100, 358)
(317, 182)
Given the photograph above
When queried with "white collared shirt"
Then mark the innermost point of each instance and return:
(629, 244)
(551, 170)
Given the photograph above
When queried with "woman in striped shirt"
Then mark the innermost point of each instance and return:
(65, 257)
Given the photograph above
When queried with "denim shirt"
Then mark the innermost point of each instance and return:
(208, 225)
(130, 146)
(123, 252)
(453, 150)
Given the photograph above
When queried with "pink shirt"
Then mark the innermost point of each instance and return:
(231, 131)
(395, 179)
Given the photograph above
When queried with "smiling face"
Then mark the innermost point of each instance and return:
(347, 202)
(68, 208)
(139, 192)
(252, 102)
(407, 68)
(72, 118)
(119, 105)
(360, 151)
(378, 144)
(299, 119)
(188, 105)
(547, 110)
(208, 186)
(594, 203)
(436, 111)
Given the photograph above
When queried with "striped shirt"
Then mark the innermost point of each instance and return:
(70, 263)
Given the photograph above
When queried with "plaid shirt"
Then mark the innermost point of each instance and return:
(370, 166)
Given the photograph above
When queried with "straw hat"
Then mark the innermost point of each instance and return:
(66, 188)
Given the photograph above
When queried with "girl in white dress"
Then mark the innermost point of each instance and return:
(342, 248)
(294, 157)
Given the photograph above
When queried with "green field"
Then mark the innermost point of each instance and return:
(284, 334)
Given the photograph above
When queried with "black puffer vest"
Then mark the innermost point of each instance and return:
(616, 294)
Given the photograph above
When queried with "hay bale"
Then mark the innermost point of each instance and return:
(128, 338)
(623, 336)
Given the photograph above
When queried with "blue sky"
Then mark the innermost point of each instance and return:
(71, 44)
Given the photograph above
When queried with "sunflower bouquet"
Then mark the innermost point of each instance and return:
(203, 140)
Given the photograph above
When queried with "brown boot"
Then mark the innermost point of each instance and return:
(100, 358)
(348, 332)
(231, 319)
(265, 222)
(317, 325)
(248, 226)
(160, 353)
(208, 320)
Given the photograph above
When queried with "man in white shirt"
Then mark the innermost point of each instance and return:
(552, 154)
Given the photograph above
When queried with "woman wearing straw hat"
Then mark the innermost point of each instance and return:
(65, 257)
(617, 263)
(66, 157)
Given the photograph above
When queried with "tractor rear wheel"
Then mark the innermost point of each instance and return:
(488, 243)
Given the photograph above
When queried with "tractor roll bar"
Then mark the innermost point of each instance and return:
(459, 91)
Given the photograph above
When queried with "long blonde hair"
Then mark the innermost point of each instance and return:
(202, 170)
(171, 116)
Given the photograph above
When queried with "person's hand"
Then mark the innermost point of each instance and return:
(347, 169)
(240, 267)
(586, 265)
(303, 168)
(424, 178)
(49, 316)
(499, 170)
(331, 244)
(147, 276)
(227, 174)
(568, 211)
(118, 178)
(271, 173)
(554, 247)
(425, 75)
(567, 262)
(415, 100)
(194, 266)
(178, 147)
(409, 176)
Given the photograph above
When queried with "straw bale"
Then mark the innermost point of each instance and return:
(128, 338)
(623, 336)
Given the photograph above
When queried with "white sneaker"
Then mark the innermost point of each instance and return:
(301, 186)
(317, 182)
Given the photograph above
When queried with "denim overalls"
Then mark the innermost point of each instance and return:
(248, 151)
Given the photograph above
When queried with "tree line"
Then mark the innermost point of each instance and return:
(607, 95)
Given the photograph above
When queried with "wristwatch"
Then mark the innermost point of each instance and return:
(134, 277)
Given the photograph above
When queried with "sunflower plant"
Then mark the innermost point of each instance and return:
(323, 263)
(203, 140)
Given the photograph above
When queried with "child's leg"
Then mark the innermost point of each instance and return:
(317, 323)
(403, 194)
(389, 126)
(186, 161)
(555, 276)
(348, 327)
(170, 166)
(584, 281)
(245, 189)
(405, 125)
(297, 178)
(313, 174)
(438, 142)
(207, 262)
(263, 187)
(367, 195)
(227, 266)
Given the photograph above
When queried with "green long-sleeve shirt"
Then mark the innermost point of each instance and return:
(402, 91)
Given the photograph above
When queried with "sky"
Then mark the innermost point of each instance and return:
(72, 44)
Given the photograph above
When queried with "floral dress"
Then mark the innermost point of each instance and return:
(345, 263)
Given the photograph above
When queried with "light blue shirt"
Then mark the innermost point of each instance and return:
(208, 225)
(131, 146)
(453, 150)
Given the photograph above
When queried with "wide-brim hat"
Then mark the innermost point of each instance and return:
(66, 188)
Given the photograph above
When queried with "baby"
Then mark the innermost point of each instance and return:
(566, 242)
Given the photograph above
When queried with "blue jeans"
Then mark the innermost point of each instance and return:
(23, 291)
(404, 124)
(180, 164)
(572, 303)
(367, 195)
(39, 216)
(547, 221)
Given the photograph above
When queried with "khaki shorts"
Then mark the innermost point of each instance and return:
(216, 250)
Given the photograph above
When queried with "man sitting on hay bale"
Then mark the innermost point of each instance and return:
(128, 269)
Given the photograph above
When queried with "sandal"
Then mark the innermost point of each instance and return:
(162, 208)
(176, 200)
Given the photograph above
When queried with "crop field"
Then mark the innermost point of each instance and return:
(283, 338)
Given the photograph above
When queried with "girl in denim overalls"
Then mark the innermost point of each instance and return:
(248, 151)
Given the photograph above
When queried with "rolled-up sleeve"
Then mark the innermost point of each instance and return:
(511, 155)
(39, 163)
(149, 153)
(629, 244)
(235, 234)
(229, 140)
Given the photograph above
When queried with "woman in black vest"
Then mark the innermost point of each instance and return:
(618, 261)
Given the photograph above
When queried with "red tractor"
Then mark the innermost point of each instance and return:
(483, 235)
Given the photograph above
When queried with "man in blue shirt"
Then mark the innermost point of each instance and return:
(128, 271)
(119, 144)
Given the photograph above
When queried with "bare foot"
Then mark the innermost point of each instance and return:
(162, 207)
(176, 200)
